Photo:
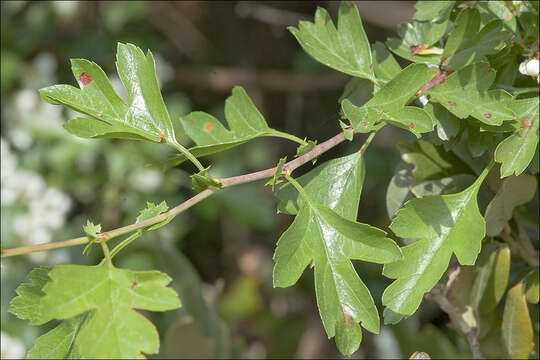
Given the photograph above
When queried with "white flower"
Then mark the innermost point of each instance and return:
(21, 185)
(51, 208)
(530, 67)
(20, 138)
(26, 100)
(8, 162)
(10, 347)
(66, 9)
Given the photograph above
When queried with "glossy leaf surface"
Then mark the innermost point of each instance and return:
(144, 117)
(113, 328)
(434, 11)
(389, 103)
(417, 34)
(345, 49)
(210, 136)
(445, 224)
(516, 151)
(465, 93)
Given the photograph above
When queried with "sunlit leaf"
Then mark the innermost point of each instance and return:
(533, 291)
(516, 151)
(389, 103)
(465, 93)
(345, 49)
(445, 224)
(113, 328)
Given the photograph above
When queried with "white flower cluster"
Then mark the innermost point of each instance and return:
(530, 67)
(10, 347)
(47, 207)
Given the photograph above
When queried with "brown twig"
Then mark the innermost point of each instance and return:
(231, 181)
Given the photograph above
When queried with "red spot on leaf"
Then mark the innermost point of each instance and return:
(411, 126)
(370, 84)
(324, 22)
(507, 16)
(489, 68)
(133, 284)
(160, 137)
(85, 79)
(526, 123)
(487, 115)
(208, 127)
(348, 318)
(363, 123)
(451, 103)
(370, 66)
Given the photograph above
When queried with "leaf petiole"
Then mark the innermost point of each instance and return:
(288, 136)
(187, 154)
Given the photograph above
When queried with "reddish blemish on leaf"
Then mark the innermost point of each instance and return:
(526, 123)
(487, 115)
(489, 68)
(133, 284)
(348, 318)
(451, 103)
(370, 84)
(160, 137)
(363, 123)
(411, 126)
(324, 22)
(370, 66)
(85, 79)
(507, 16)
(208, 127)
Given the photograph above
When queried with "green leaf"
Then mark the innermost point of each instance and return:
(446, 185)
(417, 34)
(533, 291)
(342, 298)
(144, 117)
(447, 124)
(276, 179)
(516, 151)
(304, 149)
(515, 191)
(389, 103)
(92, 231)
(467, 43)
(210, 136)
(491, 278)
(517, 330)
(399, 188)
(333, 189)
(490, 10)
(202, 180)
(430, 161)
(434, 11)
(465, 93)
(357, 91)
(385, 65)
(336, 183)
(152, 210)
(344, 49)
(26, 305)
(445, 224)
(113, 328)
(58, 342)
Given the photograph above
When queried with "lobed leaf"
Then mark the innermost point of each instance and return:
(144, 117)
(210, 136)
(445, 224)
(344, 49)
(385, 65)
(468, 43)
(447, 124)
(465, 93)
(111, 295)
(389, 103)
(423, 34)
(58, 343)
(325, 234)
(26, 305)
(516, 151)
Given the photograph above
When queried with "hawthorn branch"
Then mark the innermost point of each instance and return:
(226, 182)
